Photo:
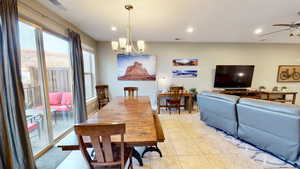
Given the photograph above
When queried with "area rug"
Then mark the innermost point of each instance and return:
(262, 158)
(52, 158)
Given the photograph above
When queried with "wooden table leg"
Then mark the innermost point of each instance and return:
(294, 98)
(190, 103)
(137, 156)
(158, 104)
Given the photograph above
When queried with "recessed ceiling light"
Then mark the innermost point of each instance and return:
(258, 31)
(113, 28)
(190, 30)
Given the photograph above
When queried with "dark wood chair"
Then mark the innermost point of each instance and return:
(174, 101)
(107, 155)
(176, 88)
(129, 91)
(102, 95)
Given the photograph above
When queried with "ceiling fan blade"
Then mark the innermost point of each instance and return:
(282, 25)
(281, 30)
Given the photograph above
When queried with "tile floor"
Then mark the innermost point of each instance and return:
(189, 144)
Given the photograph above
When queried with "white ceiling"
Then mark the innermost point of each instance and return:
(164, 20)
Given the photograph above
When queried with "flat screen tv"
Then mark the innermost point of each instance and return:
(233, 76)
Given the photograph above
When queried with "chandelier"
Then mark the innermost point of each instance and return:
(126, 45)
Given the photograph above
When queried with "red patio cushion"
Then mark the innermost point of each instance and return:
(60, 108)
(32, 126)
(66, 98)
(55, 98)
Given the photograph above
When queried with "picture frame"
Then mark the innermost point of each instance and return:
(139, 67)
(185, 62)
(288, 73)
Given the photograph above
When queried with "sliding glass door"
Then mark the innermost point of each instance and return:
(36, 116)
(59, 82)
(46, 78)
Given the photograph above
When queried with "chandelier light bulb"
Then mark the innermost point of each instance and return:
(128, 49)
(115, 45)
(141, 45)
(122, 43)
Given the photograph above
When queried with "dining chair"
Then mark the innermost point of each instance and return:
(129, 91)
(174, 101)
(176, 88)
(172, 89)
(107, 155)
(102, 95)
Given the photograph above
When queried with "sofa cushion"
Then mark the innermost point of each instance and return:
(66, 98)
(55, 98)
(274, 127)
(272, 106)
(219, 111)
(225, 97)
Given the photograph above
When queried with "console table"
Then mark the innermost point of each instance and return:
(264, 95)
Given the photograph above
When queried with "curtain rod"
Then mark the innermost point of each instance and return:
(44, 16)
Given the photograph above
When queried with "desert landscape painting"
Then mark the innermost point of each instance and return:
(184, 73)
(136, 67)
(185, 62)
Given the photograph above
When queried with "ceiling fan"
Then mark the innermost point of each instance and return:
(293, 29)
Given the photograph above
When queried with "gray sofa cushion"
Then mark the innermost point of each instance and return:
(219, 111)
(274, 127)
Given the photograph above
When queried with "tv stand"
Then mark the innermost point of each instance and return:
(264, 95)
(235, 89)
(242, 93)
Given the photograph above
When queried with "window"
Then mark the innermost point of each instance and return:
(89, 73)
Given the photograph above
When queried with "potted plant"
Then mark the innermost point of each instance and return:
(284, 88)
(262, 88)
(194, 91)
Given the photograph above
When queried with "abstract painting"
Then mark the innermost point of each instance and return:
(185, 62)
(288, 73)
(136, 67)
(184, 73)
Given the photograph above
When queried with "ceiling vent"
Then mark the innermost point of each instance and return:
(57, 4)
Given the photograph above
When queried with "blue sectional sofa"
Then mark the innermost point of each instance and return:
(273, 127)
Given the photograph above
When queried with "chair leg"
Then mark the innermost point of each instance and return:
(179, 109)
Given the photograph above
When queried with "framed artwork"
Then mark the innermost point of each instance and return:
(185, 62)
(136, 67)
(185, 73)
(288, 73)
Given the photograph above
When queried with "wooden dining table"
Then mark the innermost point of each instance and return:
(142, 125)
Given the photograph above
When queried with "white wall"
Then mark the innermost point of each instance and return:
(265, 57)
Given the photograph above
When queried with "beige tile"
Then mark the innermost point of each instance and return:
(167, 162)
(194, 162)
(186, 147)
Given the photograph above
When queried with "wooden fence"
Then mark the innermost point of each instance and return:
(59, 80)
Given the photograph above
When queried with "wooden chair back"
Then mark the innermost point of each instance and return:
(176, 89)
(100, 136)
(129, 91)
(176, 95)
(102, 91)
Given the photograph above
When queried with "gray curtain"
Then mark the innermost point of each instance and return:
(15, 149)
(78, 76)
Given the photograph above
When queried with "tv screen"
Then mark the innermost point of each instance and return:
(233, 76)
